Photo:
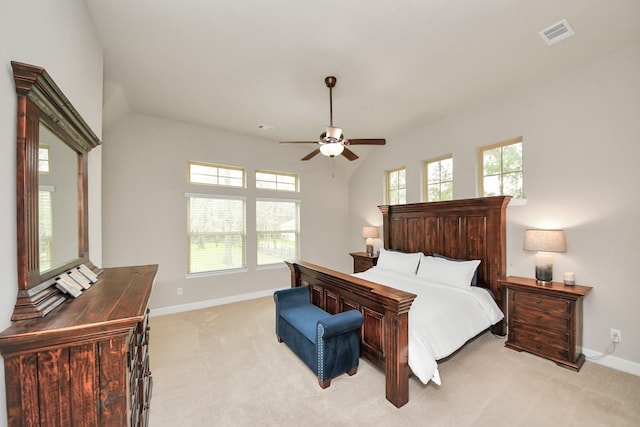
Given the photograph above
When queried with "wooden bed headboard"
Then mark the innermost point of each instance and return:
(464, 229)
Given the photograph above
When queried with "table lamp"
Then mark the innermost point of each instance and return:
(369, 233)
(544, 242)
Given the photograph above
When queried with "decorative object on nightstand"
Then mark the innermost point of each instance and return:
(544, 242)
(363, 261)
(545, 320)
(369, 233)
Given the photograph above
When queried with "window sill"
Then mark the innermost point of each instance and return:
(216, 273)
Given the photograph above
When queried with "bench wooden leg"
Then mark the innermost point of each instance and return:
(352, 371)
(279, 339)
(324, 384)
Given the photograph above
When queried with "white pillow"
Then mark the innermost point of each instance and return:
(441, 270)
(399, 262)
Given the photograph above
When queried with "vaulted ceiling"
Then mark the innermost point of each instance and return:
(236, 64)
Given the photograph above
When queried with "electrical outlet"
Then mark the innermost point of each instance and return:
(616, 335)
(180, 293)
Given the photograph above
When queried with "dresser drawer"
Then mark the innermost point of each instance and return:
(360, 265)
(540, 335)
(540, 318)
(548, 304)
(538, 344)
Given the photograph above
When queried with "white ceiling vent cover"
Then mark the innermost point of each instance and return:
(557, 32)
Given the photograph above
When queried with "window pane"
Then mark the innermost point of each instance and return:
(277, 227)
(512, 184)
(216, 175)
(491, 162)
(43, 159)
(276, 181)
(446, 169)
(446, 191)
(433, 172)
(492, 185)
(45, 224)
(216, 234)
(512, 158)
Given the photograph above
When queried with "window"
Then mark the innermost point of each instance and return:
(45, 226)
(501, 168)
(43, 159)
(438, 175)
(210, 174)
(276, 181)
(216, 233)
(396, 186)
(278, 230)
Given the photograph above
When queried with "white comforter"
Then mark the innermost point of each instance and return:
(441, 319)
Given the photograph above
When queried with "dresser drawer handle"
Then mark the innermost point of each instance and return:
(539, 331)
(539, 316)
(538, 346)
(538, 301)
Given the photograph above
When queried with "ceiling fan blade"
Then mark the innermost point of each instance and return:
(298, 142)
(366, 141)
(349, 154)
(311, 154)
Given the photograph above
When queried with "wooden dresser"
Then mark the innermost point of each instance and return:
(362, 261)
(545, 320)
(86, 364)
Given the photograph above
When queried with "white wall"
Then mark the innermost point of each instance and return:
(581, 135)
(58, 36)
(145, 210)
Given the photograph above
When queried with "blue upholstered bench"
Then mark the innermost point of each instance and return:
(328, 344)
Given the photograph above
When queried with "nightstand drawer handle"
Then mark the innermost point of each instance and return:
(539, 331)
(538, 301)
(538, 346)
(539, 317)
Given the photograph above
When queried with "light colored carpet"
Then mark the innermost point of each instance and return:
(222, 366)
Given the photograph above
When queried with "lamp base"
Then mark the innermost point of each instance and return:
(544, 268)
(370, 250)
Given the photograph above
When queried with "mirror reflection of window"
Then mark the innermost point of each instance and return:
(57, 201)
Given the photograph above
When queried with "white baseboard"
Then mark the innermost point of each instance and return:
(613, 362)
(209, 303)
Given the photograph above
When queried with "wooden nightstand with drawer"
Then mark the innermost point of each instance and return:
(362, 261)
(545, 320)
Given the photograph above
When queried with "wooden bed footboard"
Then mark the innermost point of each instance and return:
(384, 337)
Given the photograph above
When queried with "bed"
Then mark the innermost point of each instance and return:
(467, 229)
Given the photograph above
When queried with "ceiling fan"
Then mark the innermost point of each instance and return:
(332, 142)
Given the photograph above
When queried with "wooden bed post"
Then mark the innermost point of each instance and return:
(397, 356)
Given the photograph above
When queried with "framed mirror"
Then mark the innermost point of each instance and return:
(53, 142)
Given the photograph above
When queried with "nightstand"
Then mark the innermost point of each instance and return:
(362, 261)
(545, 320)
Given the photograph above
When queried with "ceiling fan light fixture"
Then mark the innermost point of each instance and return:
(331, 149)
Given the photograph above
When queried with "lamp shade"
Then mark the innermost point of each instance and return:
(369, 232)
(332, 149)
(544, 240)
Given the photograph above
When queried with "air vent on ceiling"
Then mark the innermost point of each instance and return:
(557, 32)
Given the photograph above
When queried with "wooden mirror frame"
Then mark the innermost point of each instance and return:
(40, 100)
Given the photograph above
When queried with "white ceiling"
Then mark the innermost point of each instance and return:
(238, 63)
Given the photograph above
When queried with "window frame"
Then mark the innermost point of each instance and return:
(388, 185)
(297, 232)
(278, 174)
(244, 266)
(426, 183)
(217, 166)
(480, 159)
